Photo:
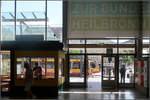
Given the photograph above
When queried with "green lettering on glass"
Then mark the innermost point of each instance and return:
(106, 23)
(98, 8)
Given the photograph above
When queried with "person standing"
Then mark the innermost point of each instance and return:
(28, 80)
(123, 73)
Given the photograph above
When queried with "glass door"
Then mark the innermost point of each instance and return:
(76, 69)
(109, 72)
(94, 72)
(126, 71)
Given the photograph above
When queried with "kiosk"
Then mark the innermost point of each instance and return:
(48, 55)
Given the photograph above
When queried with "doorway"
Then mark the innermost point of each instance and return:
(109, 71)
(94, 72)
(77, 70)
(128, 62)
(99, 71)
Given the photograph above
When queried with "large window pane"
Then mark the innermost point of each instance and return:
(5, 70)
(30, 17)
(100, 50)
(42, 67)
(102, 41)
(145, 51)
(126, 50)
(76, 50)
(20, 67)
(8, 20)
(96, 50)
(5, 63)
(76, 41)
(54, 20)
(126, 41)
(146, 41)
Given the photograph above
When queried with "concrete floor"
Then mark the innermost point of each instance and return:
(96, 94)
(77, 94)
(94, 91)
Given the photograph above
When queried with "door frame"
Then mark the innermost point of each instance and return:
(85, 83)
(116, 71)
(126, 85)
(76, 84)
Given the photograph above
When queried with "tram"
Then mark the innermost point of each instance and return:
(77, 67)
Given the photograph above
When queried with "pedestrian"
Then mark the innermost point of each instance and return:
(123, 73)
(28, 80)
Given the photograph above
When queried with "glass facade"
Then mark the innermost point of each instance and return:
(30, 18)
(8, 20)
(35, 17)
(103, 46)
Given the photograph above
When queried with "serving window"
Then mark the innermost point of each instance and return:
(42, 67)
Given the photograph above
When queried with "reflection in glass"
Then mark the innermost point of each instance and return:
(61, 67)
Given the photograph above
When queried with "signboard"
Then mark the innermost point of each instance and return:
(89, 19)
